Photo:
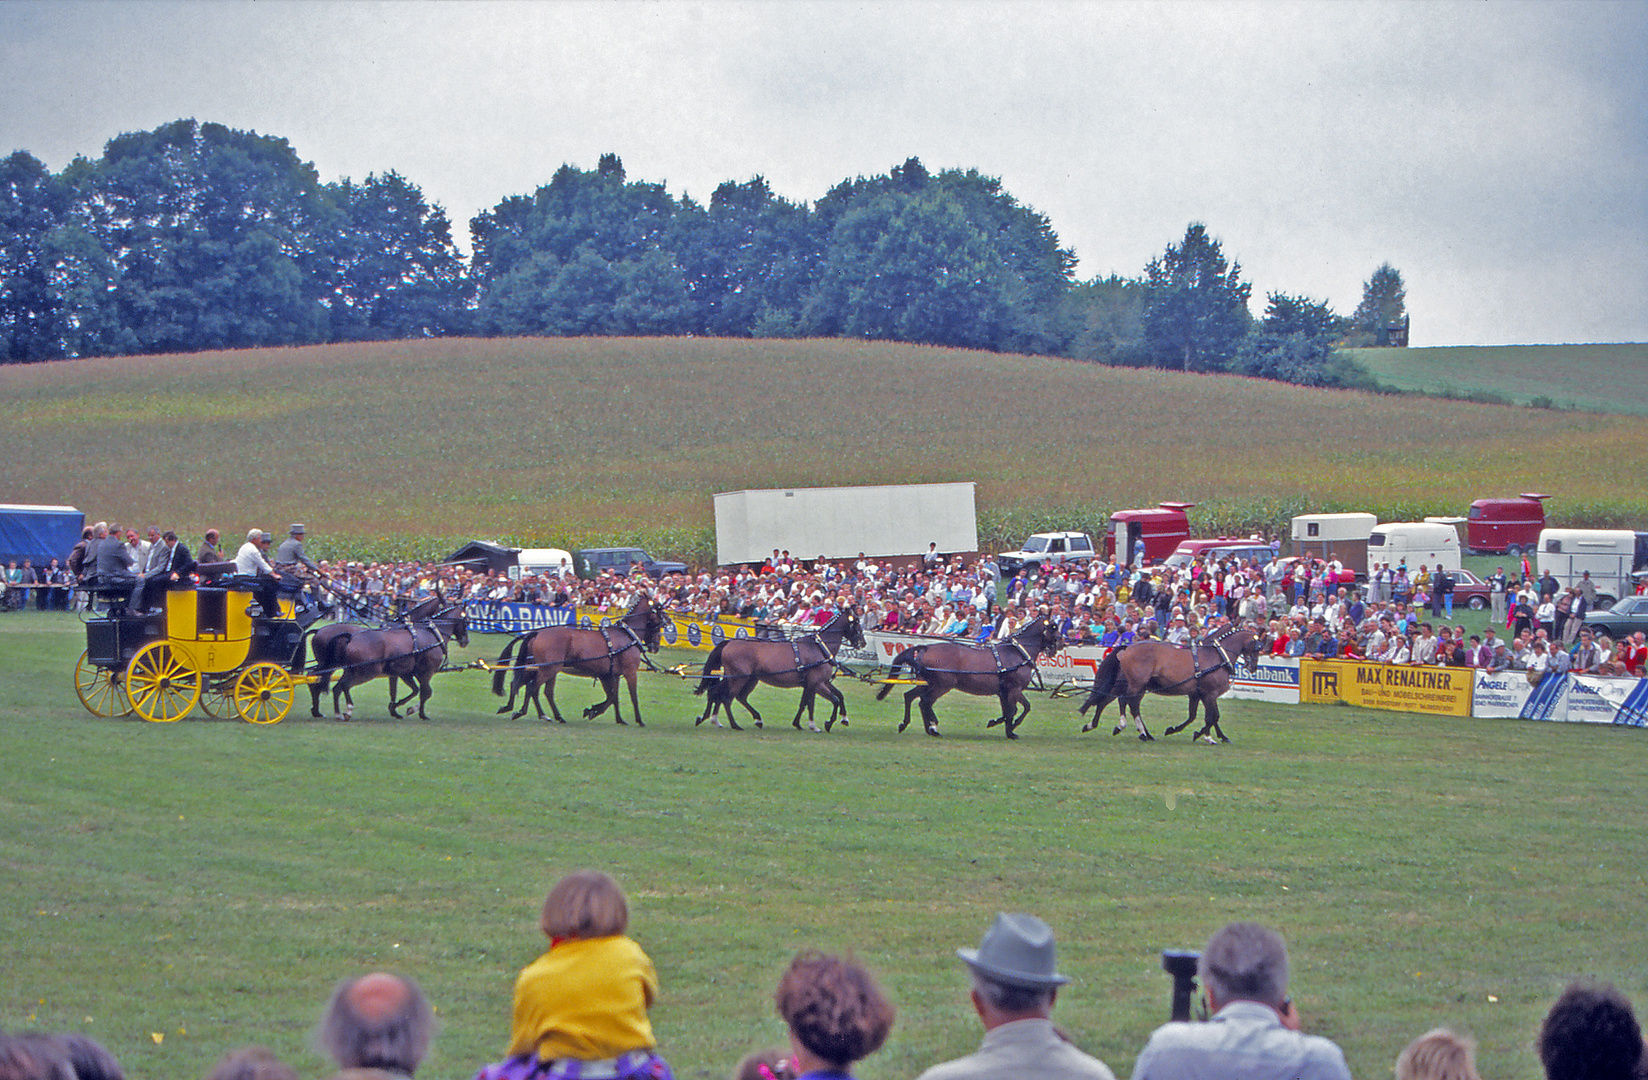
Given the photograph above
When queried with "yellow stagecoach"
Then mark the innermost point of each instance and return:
(204, 648)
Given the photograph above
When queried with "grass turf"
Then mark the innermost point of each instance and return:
(178, 890)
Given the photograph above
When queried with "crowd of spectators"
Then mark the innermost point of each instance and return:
(1307, 607)
(581, 1013)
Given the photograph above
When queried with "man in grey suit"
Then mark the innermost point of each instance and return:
(290, 556)
(1254, 1031)
(1015, 982)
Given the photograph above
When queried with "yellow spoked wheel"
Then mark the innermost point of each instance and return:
(263, 694)
(217, 696)
(99, 689)
(162, 688)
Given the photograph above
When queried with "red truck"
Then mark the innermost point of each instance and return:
(1160, 530)
(1505, 526)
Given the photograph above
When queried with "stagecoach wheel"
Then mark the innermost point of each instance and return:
(161, 687)
(217, 696)
(263, 694)
(98, 691)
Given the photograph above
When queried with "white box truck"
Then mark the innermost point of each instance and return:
(838, 523)
(1428, 543)
(1610, 555)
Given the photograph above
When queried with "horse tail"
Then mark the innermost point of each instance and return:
(329, 654)
(710, 664)
(906, 657)
(503, 662)
(1109, 672)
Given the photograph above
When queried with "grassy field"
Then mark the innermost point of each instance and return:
(1599, 378)
(176, 890)
(411, 445)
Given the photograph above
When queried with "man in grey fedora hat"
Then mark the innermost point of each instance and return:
(1015, 982)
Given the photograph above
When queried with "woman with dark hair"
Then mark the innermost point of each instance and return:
(836, 1013)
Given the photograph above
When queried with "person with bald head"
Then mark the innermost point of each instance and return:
(376, 1027)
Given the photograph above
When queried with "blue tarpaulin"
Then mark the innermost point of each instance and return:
(41, 533)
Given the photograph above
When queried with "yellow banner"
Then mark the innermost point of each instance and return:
(1402, 687)
(683, 631)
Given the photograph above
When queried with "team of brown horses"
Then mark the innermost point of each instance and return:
(415, 649)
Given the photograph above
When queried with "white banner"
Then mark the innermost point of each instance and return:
(1276, 680)
(1501, 694)
(1596, 700)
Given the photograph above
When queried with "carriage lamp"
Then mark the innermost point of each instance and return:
(1181, 964)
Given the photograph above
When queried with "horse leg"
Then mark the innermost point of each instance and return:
(1017, 703)
(838, 701)
(910, 697)
(929, 718)
(1212, 723)
(316, 689)
(634, 696)
(1138, 719)
(806, 706)
(426, 687)
(742, 696)
(1191, 719)
(549, 692)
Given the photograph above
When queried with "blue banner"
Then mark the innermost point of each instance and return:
(494, 617)
(1549, 699)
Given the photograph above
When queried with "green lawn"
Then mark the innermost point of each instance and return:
(1599, 378)
(177, 890)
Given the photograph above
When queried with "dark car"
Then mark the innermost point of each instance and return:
(1627, 616)
(588, 563)
(1470, 591)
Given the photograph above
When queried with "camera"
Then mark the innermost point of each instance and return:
(1181, 965)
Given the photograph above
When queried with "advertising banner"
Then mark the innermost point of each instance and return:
(1437, 690)
(490, 617)
(1593, 699)
(1548, 700)
(1276, 680)
(687, 631)
(1500, 694)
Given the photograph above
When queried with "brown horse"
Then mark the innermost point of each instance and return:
(1002, 668)
(326, 645)
(807, 662)
(605, 654)
(1202, 673)
(413, 652)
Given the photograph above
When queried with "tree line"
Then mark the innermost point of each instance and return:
(197, 236)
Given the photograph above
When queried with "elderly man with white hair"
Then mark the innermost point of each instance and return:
(1253, 1033)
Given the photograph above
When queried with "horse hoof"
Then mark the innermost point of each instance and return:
(758, 725)
(503, 709)
(994, 722)
(1210, 740)
(1012, 734)
(902, 726)
(1117, 731)
(1223, 739)
(1145, 736)
(814, 729)
(843, 723)
(933, 731)
(700, 722)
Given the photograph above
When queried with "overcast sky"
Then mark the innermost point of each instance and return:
(1495, 153)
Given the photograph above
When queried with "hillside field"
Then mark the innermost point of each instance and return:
(410, 446)
(178, 890)
(1598, 378)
